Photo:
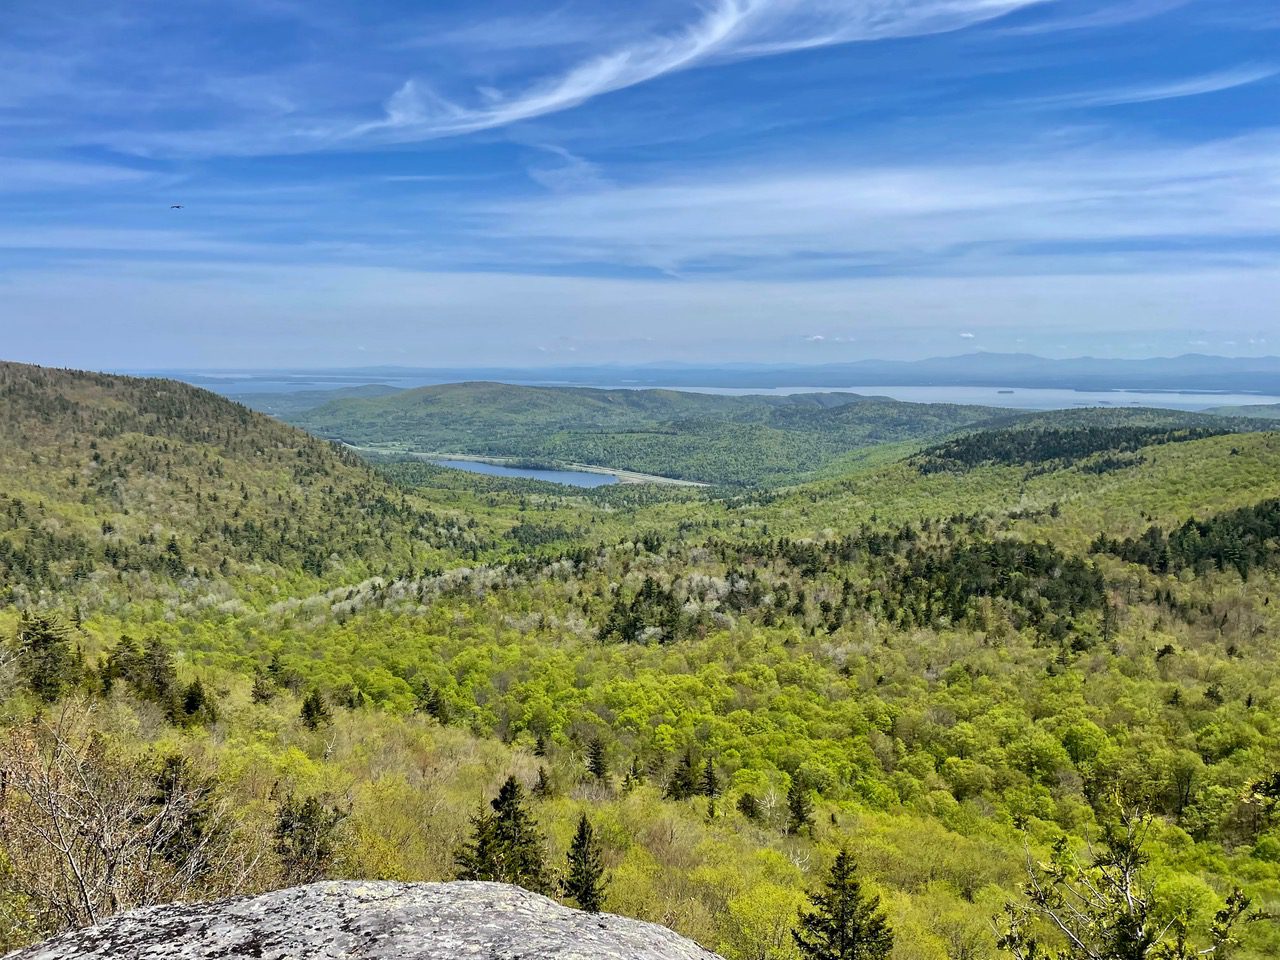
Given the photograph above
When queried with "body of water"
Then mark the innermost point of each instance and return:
(1020, 399)
(574, 478)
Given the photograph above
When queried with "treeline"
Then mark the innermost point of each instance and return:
(946, 573)
(1243, 540)
(1051, 447)
(50, 666)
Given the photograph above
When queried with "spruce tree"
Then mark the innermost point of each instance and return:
(844, 924)
(585, 881)
(799, 808)
(315, 713)
(749, 807)
(264, 688)
(306, 834)
(597, 759)
(505, 845)
(709, 784)
(684, 781)
(47, 663)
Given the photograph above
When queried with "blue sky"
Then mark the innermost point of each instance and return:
(530, 183)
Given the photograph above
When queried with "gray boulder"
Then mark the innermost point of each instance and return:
(372, 921)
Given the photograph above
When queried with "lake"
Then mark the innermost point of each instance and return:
(1021, 399)
(573, 478)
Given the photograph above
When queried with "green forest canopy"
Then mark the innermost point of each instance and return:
(327, 666)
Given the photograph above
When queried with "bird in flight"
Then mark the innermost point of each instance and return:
(175, 206)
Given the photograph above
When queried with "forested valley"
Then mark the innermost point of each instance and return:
(1002, 686)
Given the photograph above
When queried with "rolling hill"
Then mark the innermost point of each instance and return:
(150, 481)
(732, 440)
(1257, 411)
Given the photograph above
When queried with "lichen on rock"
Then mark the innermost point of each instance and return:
(372, 921)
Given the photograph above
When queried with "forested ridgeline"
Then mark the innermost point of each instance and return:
(731, 440)
(132, 479)
(1050, 447)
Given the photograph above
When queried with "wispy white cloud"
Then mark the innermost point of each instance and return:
(1206, 83)
(728, 30)
(570, 173)
(1065, 204)
(1111, 14)
(18, 174)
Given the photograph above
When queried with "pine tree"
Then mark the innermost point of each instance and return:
(597, 759)
(799, 808)
(47, 663)
(438, 707)
(585, 882)
(844, 924)
(505, 845)
(709, 784)
(542, 786)
(196, 705)
(264, 688)
(306, 834)
(684, 781)
(749, 806)
(315, 713)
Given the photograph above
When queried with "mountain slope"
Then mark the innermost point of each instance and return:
(150, 480)
(285, 403)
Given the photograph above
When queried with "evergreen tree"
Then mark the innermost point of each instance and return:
(542, 786)
(684, 781)
(844, 924)
(315, 713)
(47, 663)
(196, 704)
(799, 808)
(305, 838)
(709, 783)
(597, 759)
(749, 806)
(505, 845)
(585, 882)
(264, 688)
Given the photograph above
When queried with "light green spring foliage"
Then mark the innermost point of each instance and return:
(935, 752)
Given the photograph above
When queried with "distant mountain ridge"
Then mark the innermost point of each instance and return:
(1187, 372)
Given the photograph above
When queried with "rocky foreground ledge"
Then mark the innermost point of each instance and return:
(372, 921)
